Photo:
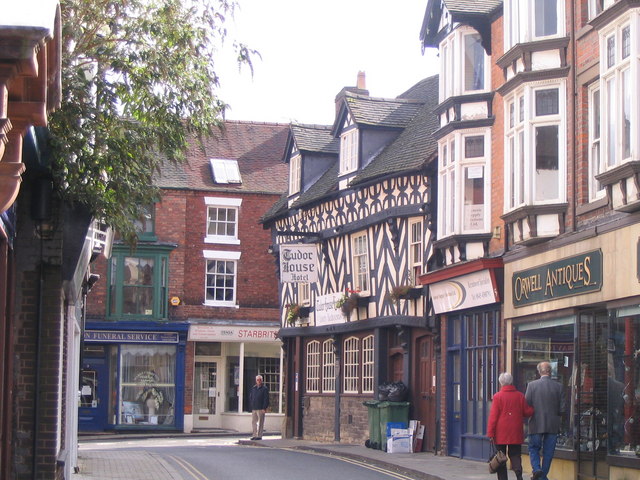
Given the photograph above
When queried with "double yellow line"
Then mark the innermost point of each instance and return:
(188, 468)
(359, 463)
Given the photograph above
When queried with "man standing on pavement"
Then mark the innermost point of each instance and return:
(546, 396)
(258, 403)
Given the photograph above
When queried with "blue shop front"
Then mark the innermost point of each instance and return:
(132, 376)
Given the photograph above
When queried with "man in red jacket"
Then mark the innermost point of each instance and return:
(505, 428)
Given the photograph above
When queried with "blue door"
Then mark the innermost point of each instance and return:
(454, 386)
(94, 395)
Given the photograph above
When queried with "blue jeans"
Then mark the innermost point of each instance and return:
(547, 443)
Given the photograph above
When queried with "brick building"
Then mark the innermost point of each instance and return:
(45, 250)
(184, 322)
(551, 87)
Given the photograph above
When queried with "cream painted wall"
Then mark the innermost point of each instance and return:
(619, 276)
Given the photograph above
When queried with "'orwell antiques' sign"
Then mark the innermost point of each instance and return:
(298, 263)
(564, 278)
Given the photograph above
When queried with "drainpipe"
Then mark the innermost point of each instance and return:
(572, 130)
(37, 395)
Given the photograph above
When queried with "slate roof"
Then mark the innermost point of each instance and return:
(258, 148)
(315, 138)
(381, 111)
(481, 7)
(415, 146)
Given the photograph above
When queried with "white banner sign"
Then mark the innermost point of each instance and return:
(326, 312)
(220, 333)
(466, 291)
(298, 263)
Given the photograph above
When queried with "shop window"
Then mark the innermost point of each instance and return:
(147, 384)
(269, 368)
(313, 366)
(552, 341)
(328, 367)
(367, 364)
(138, 283)
(623, 364)
(351, 364)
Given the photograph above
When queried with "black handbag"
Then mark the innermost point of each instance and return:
(498, 458)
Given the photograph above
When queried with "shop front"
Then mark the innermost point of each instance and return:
(132, 377)
(466, 298)
(223, 363)
(577, 307)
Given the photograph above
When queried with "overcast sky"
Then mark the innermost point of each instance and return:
(311, 50)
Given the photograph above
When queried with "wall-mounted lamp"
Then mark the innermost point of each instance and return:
(337, 229)
(497, 232)
(270, 250)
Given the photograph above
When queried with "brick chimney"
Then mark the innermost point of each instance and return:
(359, 89)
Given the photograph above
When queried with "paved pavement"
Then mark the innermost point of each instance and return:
(141, 465)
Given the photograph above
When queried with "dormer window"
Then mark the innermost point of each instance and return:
(294, 174)
(225, 170)
(349, 151)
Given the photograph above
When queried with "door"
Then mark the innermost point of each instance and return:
(206, 393)
(426, 408)
(94, 396)
(454, 386)
(591, 388)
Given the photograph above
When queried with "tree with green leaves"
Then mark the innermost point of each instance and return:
(138, 79)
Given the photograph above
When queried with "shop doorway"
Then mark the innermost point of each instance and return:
(94, 396)
(426, 402)
(591, 396)
(206, 393)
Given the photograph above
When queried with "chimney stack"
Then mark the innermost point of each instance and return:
(362, 82)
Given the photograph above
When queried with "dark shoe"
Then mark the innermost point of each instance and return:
(536, 475)
(258, 438)
(518, 474)
(253, 438)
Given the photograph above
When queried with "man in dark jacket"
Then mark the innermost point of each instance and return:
(546, 396)
(258, 403)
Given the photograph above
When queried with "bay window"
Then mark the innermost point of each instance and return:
(596, 189)
(463, 189)
(465, 65)
(532, 20)
(535, 164)
(415, 250)
(619, 112)
(138, 283)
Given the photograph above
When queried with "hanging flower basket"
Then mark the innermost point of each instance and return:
(293, 313)
(404, 292)
(349, 300)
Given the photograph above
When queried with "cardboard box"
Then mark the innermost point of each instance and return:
(399, 444)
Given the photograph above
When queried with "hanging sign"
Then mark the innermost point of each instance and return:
(298, 263)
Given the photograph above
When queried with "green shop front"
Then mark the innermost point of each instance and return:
(132, 376)
(578, 307)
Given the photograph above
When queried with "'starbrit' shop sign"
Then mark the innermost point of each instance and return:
(298, 263)
(465, 291)
(564, 278)
(232, 333)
